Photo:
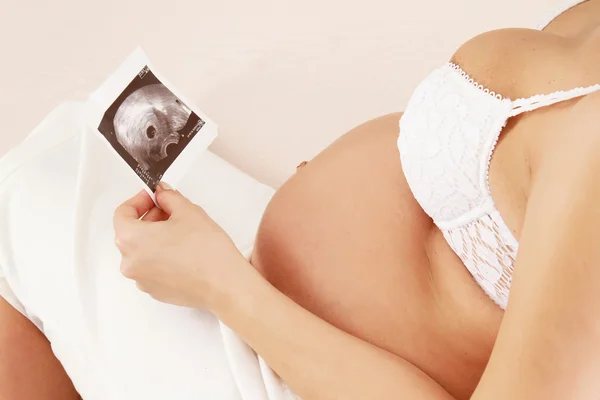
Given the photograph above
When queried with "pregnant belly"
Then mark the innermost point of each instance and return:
(345, 239)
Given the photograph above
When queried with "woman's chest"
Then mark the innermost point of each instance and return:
(468, 153)
(464, 151)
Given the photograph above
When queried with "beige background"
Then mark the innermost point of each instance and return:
(282, 78)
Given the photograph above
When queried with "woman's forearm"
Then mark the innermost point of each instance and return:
(314, 358)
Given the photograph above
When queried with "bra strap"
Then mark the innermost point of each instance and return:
(543, 100)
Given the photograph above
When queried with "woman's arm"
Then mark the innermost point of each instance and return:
(181, 256)
(549, 343)
(317, 360)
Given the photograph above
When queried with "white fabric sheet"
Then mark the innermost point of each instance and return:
(60, 267)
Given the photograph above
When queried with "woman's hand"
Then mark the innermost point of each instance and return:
(177, 253)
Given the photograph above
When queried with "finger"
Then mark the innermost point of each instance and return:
(132, 209)
(170, 200)
(155, 215)
(127, 269)
(141, 287)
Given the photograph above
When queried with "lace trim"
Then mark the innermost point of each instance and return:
(489, 161)
(496, 136)
(543, 100)
(474, 82)
(522, 105)
(486, 178)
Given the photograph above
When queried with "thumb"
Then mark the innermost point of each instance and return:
(170, 200)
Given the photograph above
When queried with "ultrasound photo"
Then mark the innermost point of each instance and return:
(148, 126)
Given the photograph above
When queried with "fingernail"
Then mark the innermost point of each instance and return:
(165, 186)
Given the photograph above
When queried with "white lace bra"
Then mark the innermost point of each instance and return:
(447, 136)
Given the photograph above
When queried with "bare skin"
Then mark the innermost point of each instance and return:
(28, 368)
(401, 288)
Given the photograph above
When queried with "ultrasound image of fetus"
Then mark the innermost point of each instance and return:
(149, 127)
(148, 124)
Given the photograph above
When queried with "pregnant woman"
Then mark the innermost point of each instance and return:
(458, 260)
